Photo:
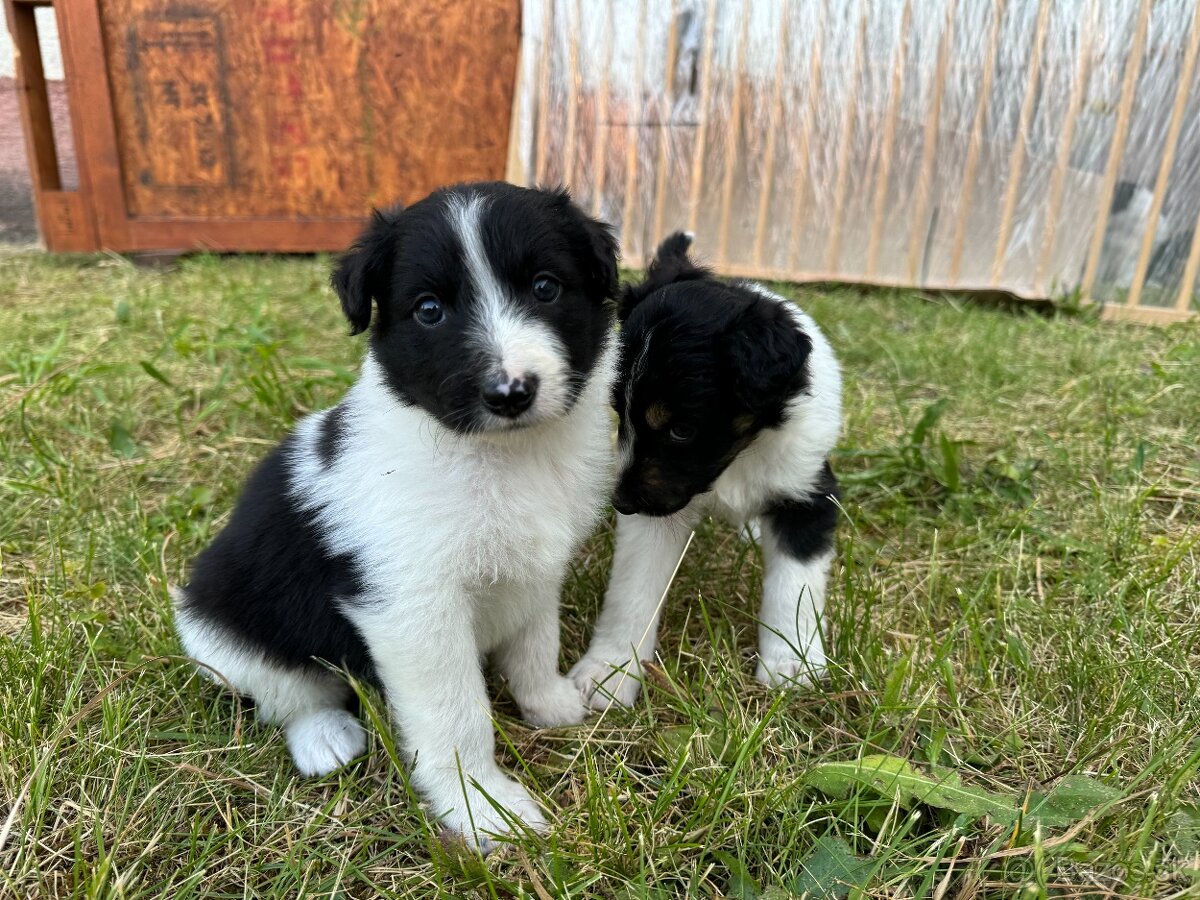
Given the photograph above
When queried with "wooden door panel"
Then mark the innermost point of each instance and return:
(279, 124)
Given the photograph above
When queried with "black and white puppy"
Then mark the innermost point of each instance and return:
(429, 518)
(729, 402)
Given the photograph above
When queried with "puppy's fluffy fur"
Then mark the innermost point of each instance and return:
(429, 518)
(729, 404)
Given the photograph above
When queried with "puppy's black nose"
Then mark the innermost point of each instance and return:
(510, 397)
(624, 502)
(623, 506)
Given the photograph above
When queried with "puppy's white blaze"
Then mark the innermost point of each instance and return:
(625, 449)
(520, 346)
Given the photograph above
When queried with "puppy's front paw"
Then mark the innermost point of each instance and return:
(490, 810)
(325, 740)
(557, 702)
(605, 682)
(785, 668)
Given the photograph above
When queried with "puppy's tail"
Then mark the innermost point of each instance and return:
(671, 263)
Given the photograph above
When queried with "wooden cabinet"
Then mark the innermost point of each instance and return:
(263, 125)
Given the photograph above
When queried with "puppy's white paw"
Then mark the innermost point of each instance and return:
(325, 740)
(491, 809)
(605, 682)
(557, 702)
(784, 668)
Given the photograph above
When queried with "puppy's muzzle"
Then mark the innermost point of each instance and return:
(629, 501)
(510, 397)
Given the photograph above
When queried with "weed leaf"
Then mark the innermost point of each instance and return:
(896, 778)
(1071, 799)
(831, 870)
(150, 369)
(928, 419)
(121, 441)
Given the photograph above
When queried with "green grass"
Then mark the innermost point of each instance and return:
(1015, 605)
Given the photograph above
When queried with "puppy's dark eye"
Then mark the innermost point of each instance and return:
(546, 288)
(428, 310)
(682, 434)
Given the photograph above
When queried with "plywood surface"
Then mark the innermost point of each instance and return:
(242, 109)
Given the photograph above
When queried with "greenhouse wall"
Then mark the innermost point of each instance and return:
(1048, 148)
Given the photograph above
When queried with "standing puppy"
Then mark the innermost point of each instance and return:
(730, 402)
(429, 518)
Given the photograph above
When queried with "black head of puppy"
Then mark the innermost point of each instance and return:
(490, 302)
(705, 366)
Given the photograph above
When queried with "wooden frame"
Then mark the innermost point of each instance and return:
(710, 29)
(1017, 157)
(731, 147)
(808, 126)
(67, 223)
(889, 140)
(970, 171)
(1168, 159)
(1133, 66)
(929, 147)
(833, 249)
(102, 214)
(1062, 160)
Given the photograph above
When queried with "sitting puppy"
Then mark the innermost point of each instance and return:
(430, 517)
(729, 403)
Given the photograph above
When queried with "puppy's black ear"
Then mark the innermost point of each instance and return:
(671, 263)
(364, 270)
(594, 243)
(767, 355)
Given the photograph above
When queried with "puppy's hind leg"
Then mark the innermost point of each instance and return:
(797, 542)
(309, 702)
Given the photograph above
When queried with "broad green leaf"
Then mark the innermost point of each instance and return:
(1077, 795)
(831, 870)
(121, 441)
(1183, 826)
(1070, 800)
(896, 778)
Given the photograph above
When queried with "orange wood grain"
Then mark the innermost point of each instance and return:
(278, 124)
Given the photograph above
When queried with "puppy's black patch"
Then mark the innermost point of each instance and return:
(269, 579)
(804, 526)
(716, 361)
(333, 426)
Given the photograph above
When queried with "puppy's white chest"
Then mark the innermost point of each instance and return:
(529, 514)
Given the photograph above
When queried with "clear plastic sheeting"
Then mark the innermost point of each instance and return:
(1043, 147)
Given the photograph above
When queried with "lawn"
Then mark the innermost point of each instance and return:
(1014, 623)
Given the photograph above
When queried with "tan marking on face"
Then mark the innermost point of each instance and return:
(742, 424)
(652, 477)
(657, 416)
